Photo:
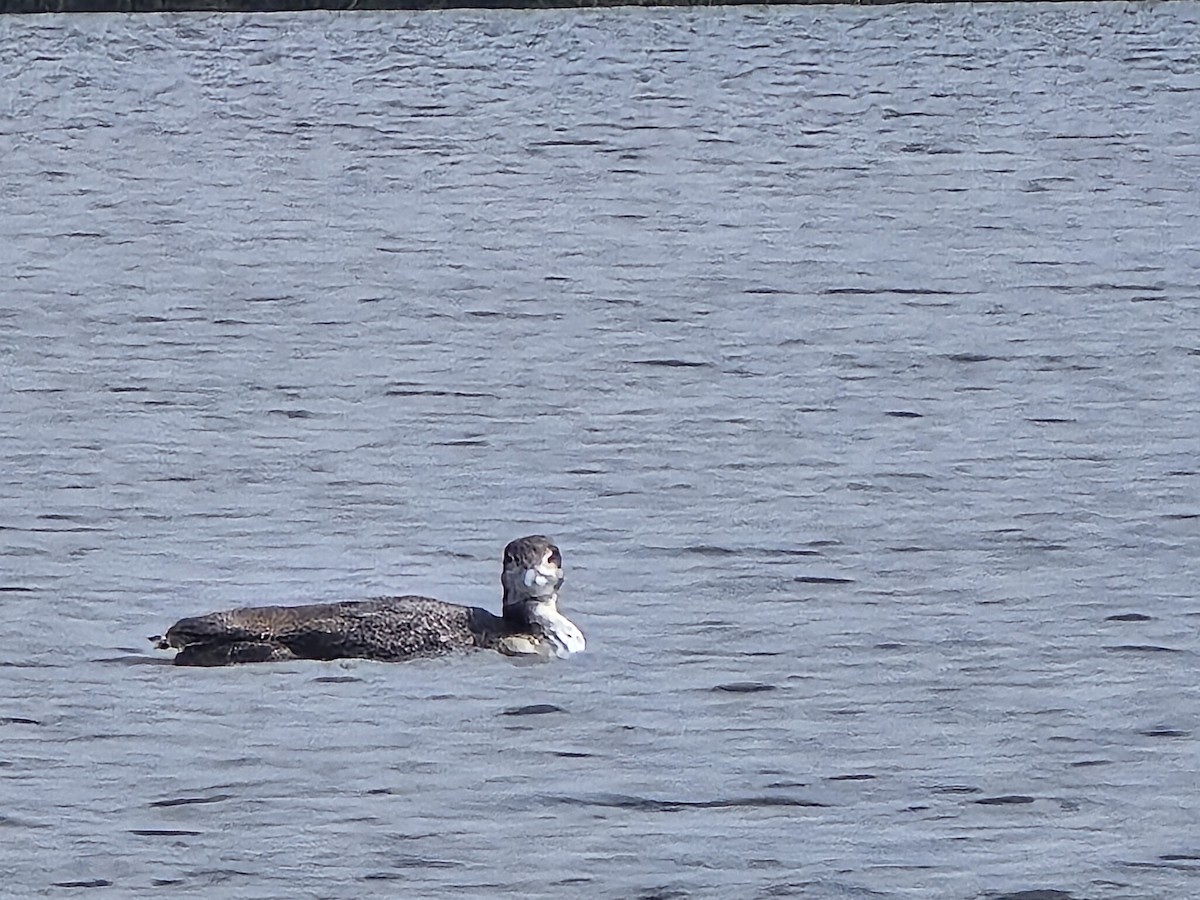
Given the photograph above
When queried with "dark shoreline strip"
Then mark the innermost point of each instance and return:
(270, 6)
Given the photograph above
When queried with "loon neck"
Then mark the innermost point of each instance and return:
(541, 616)
(522, 611)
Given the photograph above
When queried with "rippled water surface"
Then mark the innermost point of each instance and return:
(850, 355)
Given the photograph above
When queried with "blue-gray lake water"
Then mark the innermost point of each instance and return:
(851, 355)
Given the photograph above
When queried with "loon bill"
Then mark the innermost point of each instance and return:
(392, 628)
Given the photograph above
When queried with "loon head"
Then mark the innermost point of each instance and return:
(532, 570)
(531, 578)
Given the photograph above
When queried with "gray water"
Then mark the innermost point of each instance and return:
(849, 354)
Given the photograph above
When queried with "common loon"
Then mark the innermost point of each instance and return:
(392, 628)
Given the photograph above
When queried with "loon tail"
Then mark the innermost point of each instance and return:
(231, 653)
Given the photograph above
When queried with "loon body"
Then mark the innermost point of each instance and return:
(392, 628)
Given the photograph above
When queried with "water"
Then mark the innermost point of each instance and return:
(850, 355)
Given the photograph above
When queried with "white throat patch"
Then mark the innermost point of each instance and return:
(560, 632)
